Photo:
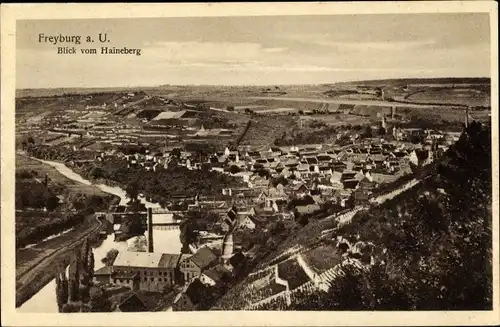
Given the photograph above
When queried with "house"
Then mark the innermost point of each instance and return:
(154, 271)
(126, 278)
(272, 194)
(325, 171)
(216, 276)
(364, 191)
(377, 159)
(244, 221)
(324, 158)
(191, 297)
(350, 183)
(131, 304)
(419, 157)
(299, 190)
(194, 265)
(103, 275)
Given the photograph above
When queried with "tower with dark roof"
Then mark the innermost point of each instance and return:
(228, 244)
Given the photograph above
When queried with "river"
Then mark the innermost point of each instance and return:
(166, 241)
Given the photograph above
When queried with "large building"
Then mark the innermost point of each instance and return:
(149, 271)
(191, 267)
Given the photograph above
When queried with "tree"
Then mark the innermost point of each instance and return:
(74, 276)
(96, 173)
(91, 265)
(85, 254)
(234, 169)
(188, 234)
(61, 289)
(367, 131)
(381, 131)
(72, 307)
(132, 191)
(52, 203)
(301, 112)
(110, 257)
(140, 244)
(230, 108)
(98, 302)
(176, 153)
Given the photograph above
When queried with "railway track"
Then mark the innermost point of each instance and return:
(23, 279)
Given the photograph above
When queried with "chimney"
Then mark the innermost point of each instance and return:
(150, 230)
(393, 112)
(467, 117)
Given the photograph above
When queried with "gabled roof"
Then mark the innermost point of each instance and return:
(169, 260)
(196, 291)
(336, 176)
(298, 186)
(125, 275)
(203, 258)
(324, 157)
(132, 304)
(232, 214)
(104, 271)
(217, 273)
(311, 160)
(137, 259)
(377, 157)
(170, 115)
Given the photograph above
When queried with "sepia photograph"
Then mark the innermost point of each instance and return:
(256, 161)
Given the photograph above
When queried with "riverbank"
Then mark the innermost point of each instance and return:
(41, 296)
(37, 266)
(48, 203)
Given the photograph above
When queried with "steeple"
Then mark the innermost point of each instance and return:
(228, 244)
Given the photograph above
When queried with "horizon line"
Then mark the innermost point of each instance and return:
(252, 85)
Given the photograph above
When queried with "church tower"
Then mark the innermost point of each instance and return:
(228, 246)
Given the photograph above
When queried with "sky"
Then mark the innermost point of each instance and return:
(261, 50)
